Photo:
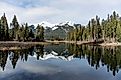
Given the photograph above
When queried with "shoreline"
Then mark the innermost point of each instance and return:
(110, 44)
(17, 43)
(88, 42)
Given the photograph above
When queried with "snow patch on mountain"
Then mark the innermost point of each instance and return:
(53, 26)
(67, 22)
(47, 24)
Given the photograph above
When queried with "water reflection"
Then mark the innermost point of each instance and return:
(99, 56)
(95, 55)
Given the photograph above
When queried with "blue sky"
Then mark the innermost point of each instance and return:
(57, 11)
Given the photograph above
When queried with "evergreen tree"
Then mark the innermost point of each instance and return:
(99, 29)
(26, 32)
(4, 28)
(31, 34)
(15, 28)
(39, 33)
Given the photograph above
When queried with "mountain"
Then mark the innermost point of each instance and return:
(58, 31)
(55, 31)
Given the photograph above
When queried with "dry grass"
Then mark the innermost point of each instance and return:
(111, 44)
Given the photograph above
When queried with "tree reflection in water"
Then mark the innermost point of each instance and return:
(95, 55)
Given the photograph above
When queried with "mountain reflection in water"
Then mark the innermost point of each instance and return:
(109, 57)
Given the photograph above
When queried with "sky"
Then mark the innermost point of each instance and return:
(57, 11)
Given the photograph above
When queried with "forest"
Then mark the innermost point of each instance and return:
(17, 32)
(107, 30)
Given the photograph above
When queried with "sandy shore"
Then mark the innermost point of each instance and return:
(87, 42)
(110, 44)
(75, 42)
(14, 44)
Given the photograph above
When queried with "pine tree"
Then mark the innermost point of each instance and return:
(31, 34)
(93, 29)
(0, 31)
(15, 28)
(103, 29)
(26, 32)
(89, 31)
(99, 29)
(39, 33)
(4, 28)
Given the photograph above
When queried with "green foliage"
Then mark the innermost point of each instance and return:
(39, 33)
(15, 28)
(108, 30)
(4, 30)
(17, 32)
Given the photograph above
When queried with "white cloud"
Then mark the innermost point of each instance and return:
(111, 2)
(79, 11)
(43, 11)
(30, 15)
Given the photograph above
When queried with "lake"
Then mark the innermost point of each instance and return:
(61, 62)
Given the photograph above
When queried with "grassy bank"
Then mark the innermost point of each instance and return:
(13, 45)
(110, 44)
(88, 42)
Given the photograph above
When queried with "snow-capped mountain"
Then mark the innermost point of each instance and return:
(55, 25)
(56, 30)
(46, 24)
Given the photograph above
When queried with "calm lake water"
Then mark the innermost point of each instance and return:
(61, 62)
